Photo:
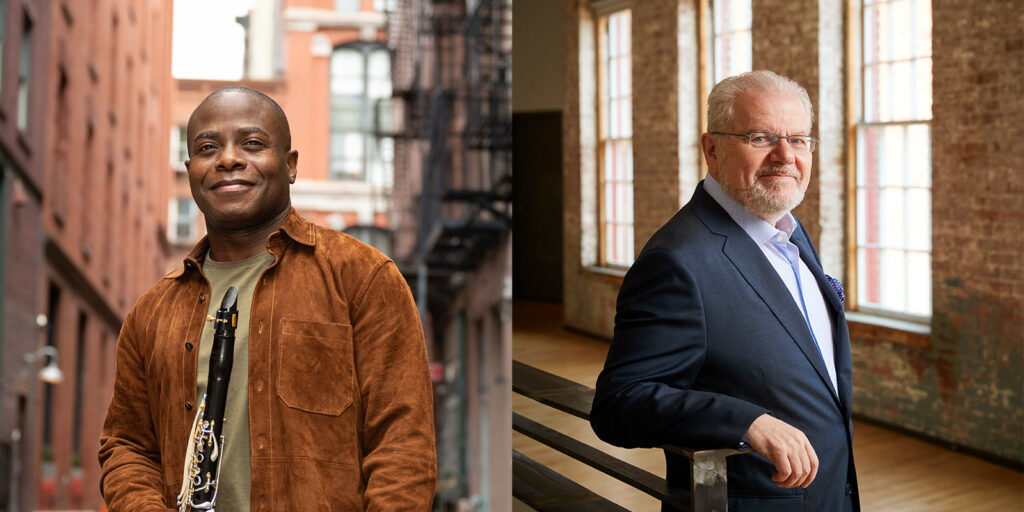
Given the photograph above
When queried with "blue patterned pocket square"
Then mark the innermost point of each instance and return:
(837, 286)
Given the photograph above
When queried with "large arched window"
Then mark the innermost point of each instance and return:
(360, 91)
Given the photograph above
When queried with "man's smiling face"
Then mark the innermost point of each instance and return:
(241, 165)
(767, 181)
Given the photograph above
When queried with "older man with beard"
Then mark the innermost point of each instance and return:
(727, 331)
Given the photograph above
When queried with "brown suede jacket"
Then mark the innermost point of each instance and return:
(340, 401)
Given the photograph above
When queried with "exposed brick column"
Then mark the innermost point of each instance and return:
(655, 117)
(978, 224)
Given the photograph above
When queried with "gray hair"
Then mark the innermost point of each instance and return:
(723, 96)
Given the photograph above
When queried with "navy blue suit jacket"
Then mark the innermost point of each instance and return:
(708, 338)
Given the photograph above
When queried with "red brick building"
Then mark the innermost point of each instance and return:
(85, 106)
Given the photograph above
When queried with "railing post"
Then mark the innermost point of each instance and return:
(709, 491)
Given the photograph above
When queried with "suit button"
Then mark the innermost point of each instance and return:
(188, 345)
(202, 297)
(188, 406)
(849, 489)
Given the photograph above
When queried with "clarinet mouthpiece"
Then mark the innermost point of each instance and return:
(230, 298)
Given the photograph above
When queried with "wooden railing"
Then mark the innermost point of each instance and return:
(544, 489)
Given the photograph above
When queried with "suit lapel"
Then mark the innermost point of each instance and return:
(748, 259)
(844, 371)
(841, 338)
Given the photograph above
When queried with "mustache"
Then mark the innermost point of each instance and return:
(783, 169)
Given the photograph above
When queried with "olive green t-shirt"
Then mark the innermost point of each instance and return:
(233, 489)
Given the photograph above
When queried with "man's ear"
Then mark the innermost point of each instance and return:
(292, 160)
(709, 146)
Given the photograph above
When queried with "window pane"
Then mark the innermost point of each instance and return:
(347, 5)
(902, 90)
(919, 292)
(868, 276)
(901, 44)
(347, 72)
(870, 93)
(868, 156)
(923, 89)
(893, 277)
(923, 27)
(919, 232)
(892, 156)
(919, 152)
(379, 74)
(893, 212)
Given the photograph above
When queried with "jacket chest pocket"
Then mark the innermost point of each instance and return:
(316, 371)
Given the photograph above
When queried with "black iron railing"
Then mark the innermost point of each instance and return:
(546, 490)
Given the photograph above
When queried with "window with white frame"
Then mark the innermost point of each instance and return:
(731, 47)
(183, 215)
(893, 182)
(615, 143)
(360, 91)
(179, 148)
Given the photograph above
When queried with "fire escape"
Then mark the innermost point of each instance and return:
(453, 185)
(458, 105)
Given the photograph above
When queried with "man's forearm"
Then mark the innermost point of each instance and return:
(131, 482)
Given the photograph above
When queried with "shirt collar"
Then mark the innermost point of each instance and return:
(758, 229)
(294, 227)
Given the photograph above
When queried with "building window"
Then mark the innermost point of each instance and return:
(731, 49)
(360, 86)
(379, 238)
(24, 73)
(893, 183)
(183, 213)
(347, 5)
(615, 142)
(179, 147)
(385, 5)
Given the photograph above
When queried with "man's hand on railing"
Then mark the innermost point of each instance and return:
(796, 464)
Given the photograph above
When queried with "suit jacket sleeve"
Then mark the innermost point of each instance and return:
(649, 393)
(399, 462)
(131, 478)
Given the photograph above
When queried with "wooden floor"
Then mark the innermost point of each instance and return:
(896, 472)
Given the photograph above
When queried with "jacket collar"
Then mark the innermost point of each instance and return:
(744, 254)
(294, 227)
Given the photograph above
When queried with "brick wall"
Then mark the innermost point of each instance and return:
(105, 153)
(655, 117)
(959, 383)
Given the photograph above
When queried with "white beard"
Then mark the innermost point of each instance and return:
(765, 200)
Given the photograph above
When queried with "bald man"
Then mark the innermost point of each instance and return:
(329, 403)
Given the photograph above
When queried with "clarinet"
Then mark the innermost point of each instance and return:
(205, 446)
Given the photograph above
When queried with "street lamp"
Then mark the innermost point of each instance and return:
(50, 374)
